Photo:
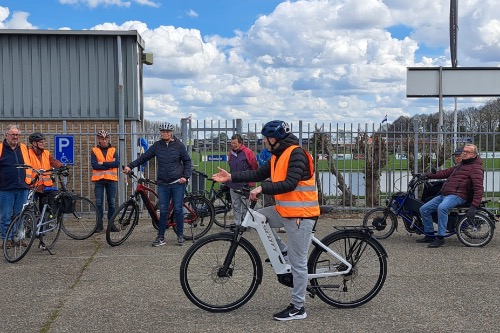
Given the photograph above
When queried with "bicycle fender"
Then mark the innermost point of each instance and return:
(362, 233)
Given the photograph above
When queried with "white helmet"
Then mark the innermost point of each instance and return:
(166, 127)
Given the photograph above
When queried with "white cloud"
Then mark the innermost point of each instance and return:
(19, 20)
(315, 60)
(192, 13)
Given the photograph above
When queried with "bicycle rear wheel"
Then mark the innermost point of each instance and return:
(364, 280)
(82, 222)
(199, 215)
(384, 224)
(20, 236)
(222, 208)
(202, 283)
(50, 231)
(476, 233)
(122, 223)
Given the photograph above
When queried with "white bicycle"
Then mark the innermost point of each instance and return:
(221, 272)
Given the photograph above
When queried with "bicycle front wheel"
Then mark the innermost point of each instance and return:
(362, 282)
(201, 278)
(122, 223)
(384, 222)
(199, 215)
(50, 231)
(82, 222)
(222, 209)
(19, 237)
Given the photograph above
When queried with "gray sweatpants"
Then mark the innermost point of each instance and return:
(299, 239)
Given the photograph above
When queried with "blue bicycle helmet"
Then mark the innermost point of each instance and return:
(277, 129)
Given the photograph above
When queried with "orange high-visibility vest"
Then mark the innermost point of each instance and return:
(43, 164)
(26, 157)
(301, 202)
(110, 174)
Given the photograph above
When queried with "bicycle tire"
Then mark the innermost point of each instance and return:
(199, 267)
(362, 283)
(23, 230)
(124, 220)
(199, 215)
(221, 207)
(384, 223)
(475, 233)
(82, 222)
(53, 229)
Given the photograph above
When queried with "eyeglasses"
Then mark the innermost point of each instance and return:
(467, 152)
(10, 134)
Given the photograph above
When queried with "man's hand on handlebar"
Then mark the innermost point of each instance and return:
(222, 176)
(126, 170)
(255, 193)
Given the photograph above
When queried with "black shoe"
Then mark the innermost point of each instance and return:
(114, 228)
(98, 230)
(291, 313)
(436, 243)
(426, 239)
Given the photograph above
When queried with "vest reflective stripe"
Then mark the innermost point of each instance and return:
(26, 158)
(110, 174)
(44, 164)
(301, 202)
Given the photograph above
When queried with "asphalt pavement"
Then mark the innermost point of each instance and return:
(88, 286)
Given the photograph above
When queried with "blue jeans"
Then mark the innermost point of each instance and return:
(110, 186)
(174, 192)
(11, 203)
(442, 204)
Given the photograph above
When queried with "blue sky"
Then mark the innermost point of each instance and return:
(339, 61)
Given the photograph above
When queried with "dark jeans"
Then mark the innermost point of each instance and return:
(174, 192)
(110, 186)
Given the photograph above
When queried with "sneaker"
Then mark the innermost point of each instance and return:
(436, 243)
(159, 241)
(291, 313)
(98, 230)
(426, 239)
(281, 230)
(285, 255)
(180, 240)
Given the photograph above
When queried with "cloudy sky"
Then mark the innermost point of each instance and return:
(335, 61)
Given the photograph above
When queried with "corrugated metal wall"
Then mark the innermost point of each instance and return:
(68, 74)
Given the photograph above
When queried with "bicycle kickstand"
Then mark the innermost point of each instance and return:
(43, 247)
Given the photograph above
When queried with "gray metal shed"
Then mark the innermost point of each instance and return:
(71, 75)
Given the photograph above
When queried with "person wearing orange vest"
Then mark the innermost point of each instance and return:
(105, 163)
(293, 185)
(41, 158)
(13, 181)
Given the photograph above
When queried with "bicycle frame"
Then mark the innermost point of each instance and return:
(257, 221)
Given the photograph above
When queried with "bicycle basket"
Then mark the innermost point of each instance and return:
(67, 202)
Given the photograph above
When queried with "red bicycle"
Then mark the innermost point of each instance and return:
(199, 213)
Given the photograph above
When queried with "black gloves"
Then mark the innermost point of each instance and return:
(471, 212)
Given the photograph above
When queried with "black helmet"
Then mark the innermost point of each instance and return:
(276, 129)
(35, 137)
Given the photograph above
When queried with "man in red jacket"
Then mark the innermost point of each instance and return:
(464, 183)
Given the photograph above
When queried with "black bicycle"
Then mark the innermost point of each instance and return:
(221, 199)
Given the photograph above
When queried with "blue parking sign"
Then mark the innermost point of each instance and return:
(65, 148)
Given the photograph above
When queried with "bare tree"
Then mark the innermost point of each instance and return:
(375, 150)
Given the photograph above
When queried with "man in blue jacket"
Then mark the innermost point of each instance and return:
(13, 181)
(174, 170)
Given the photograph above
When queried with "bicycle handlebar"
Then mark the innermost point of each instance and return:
(131, 174)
